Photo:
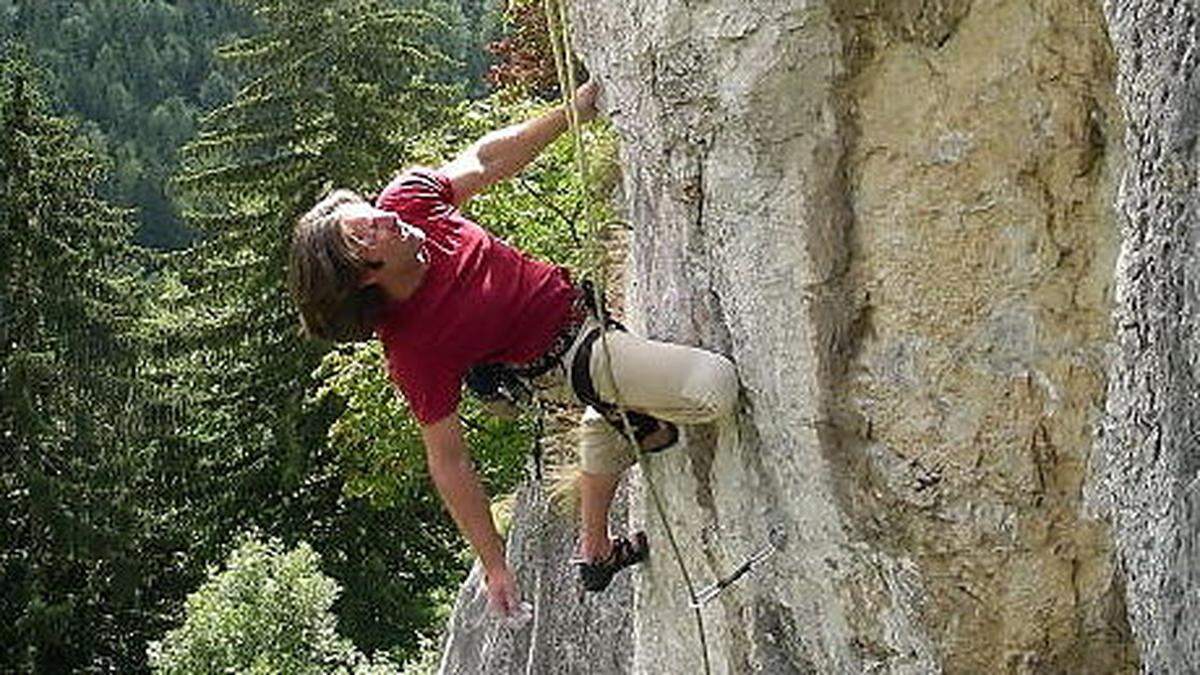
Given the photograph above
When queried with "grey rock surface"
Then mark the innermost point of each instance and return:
(951, 247)
(569, 632)
(1149, 460)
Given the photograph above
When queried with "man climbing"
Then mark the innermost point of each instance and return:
(445, 297)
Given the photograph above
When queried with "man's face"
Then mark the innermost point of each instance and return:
(392, 248)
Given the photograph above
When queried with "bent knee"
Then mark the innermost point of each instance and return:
(601, 448)
(712, 387)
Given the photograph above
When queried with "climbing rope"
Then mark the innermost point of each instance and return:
(558, 25)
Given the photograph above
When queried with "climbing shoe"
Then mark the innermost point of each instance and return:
(596, 576)
(659, 437)
(652, 434)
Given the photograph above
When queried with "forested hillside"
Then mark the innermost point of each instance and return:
(140, 73)
(161, 409)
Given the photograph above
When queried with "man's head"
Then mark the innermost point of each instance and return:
(346, 257)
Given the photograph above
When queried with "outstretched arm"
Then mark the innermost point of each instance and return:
(461, 492)
(504, 152)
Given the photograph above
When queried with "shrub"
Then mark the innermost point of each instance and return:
(268, 611)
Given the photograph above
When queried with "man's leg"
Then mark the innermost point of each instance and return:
(680, 384)
(604, 457)
(677, 383)
(596, 492)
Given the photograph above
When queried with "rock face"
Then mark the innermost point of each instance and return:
(569, 632)
(1148, 456)
(950, 246)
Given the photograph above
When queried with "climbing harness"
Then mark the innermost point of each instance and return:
(579, 375)
(498, 382)
(506, 388)
(510, 387)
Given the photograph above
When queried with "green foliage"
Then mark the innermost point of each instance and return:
(69, 549)
(269, 611)
(139, 71)
(335, 93)
(467, 26)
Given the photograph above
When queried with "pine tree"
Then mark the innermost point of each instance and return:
(68, 544)
(337, 93)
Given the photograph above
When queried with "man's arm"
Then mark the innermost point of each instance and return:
(460, 489)
(504, 152)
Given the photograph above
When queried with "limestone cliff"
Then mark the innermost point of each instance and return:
(951, 247)
(1147, 456)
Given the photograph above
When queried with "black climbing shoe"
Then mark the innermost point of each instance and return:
(643, 427)
(596, 576)
(669, 439)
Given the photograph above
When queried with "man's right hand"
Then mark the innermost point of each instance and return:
(503, 595)
(585, 100)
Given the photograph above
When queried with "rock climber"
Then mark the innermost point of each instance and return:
(446, 297)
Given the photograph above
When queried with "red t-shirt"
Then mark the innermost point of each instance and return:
(481, 301)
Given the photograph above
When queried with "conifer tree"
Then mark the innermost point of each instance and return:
(336, 94)
(68, 541)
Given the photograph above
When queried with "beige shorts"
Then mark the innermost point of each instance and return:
(676, 383)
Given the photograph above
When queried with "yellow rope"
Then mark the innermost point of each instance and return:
(559, 27)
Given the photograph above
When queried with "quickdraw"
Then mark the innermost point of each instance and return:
(775, 542)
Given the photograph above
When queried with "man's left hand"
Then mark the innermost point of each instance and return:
(503, 596)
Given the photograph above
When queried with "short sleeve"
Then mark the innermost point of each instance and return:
(433, 392)
(417, 195)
